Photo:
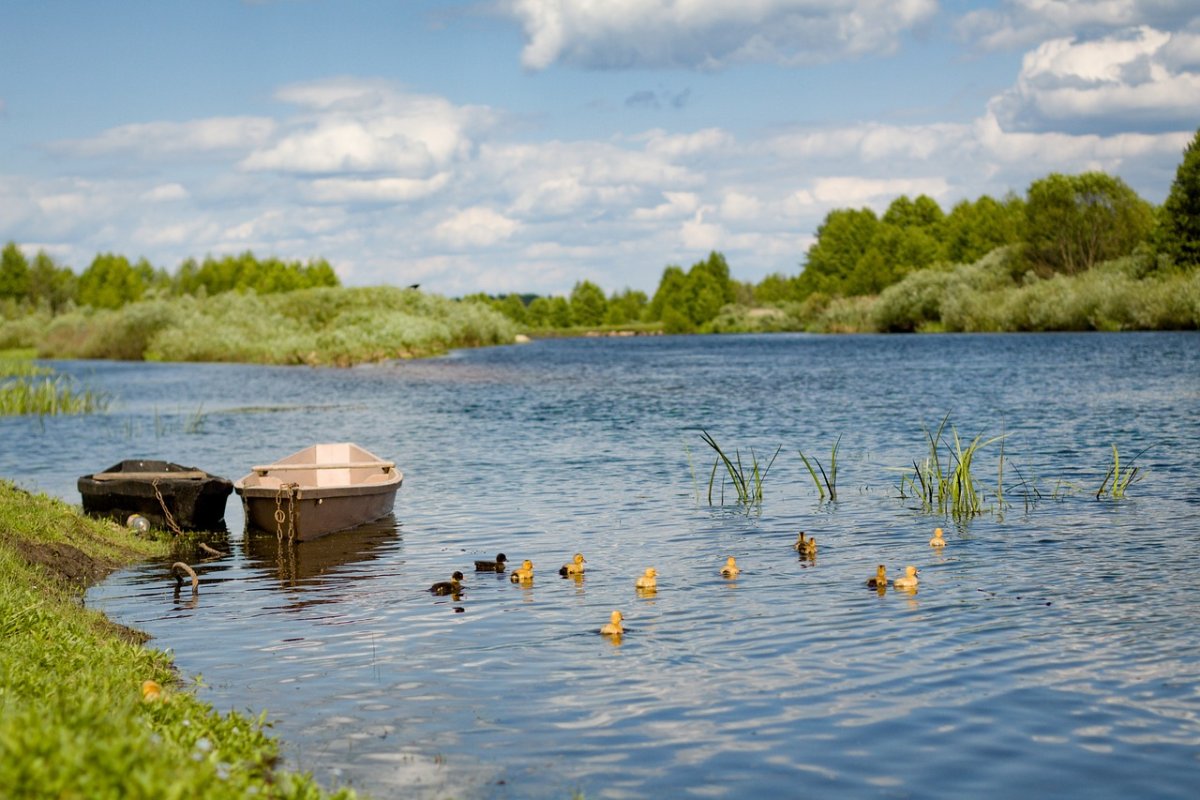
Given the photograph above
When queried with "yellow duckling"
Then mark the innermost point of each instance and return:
(452, 586)
(909, 581)
(649, 580)
(151, 691)
(810, 549)
(613, 627)
(880, 580)
(573, 568)
(523, 574)
(937, 540)
(801, 543)
(731, 569)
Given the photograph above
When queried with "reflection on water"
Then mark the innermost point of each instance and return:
(1047, 651)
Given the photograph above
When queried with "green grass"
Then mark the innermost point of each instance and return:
(1117, 482)
(829, 478)
(72, 720)
(747, 481)
(950, 488)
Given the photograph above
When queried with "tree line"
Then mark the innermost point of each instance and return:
(111, 281)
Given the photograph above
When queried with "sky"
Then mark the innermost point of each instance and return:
(526, 145)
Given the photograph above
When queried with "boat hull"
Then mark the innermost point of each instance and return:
(317, 491)
(194, 499)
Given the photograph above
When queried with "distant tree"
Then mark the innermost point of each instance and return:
(1073, 222)
(972, 230)
(1179, 219)
(110, 282)
(588, 304)
(775, 288)
(559, 315)
(512, 307)
(14, 273)
(626, 306)
(671, 288)
(842, 239)
(537, 313)
(50, 284)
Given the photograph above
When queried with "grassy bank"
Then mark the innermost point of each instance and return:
(73, 720)
(327, 326)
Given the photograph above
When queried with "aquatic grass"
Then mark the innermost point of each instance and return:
(949, 488)
(747, 483)
(830, 479)
(1116, 483)
(49, 396)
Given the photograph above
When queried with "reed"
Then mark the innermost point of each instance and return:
(1116, 482)
(747, 482)
(949, 488)
(49, 395)
(830, 478)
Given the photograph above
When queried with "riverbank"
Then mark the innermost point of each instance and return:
(77, 716)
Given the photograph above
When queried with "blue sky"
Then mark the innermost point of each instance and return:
(524, 145)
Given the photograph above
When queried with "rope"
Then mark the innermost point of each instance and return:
(178, 568)
(166, 512)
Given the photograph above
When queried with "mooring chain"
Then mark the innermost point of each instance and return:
(166, 512)
(289, 515)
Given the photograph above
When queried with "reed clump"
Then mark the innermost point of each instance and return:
(1117, 481)
(747, 479)
(29, 388)
(948, 487)
(828, 480)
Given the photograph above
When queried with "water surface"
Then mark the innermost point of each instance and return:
(1052, 648)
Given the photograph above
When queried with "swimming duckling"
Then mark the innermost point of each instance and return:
(573, 568)
(937, 540)
(649, 580)
(801, 543)
(909, 581)
(810, 549)
(880, 579)
(613, 626)
(523, 574)
(492, 566)
(731, 569)
(452, 586)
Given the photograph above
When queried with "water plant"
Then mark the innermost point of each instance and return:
(1116, 482)
(829, 478)
(49, 395)
(949, 488)
(747, 482)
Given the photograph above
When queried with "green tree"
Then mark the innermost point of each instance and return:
(669, 294)
(50, 284)
(1073, 222)
(972, 230)
(588, 304)
(514, 308)
(109, 282)
(14, 273)
(1179, 219)
(842, 239)
(537, 313)
(559, 315)
(626, 306)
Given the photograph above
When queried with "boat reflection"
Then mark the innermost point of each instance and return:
(297, 565)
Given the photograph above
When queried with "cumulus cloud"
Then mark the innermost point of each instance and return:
(1137, 80)
(709, 34)
(165, 192)
(1022, 23)
(475, 227)
(159, 139)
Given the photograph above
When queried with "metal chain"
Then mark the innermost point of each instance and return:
(290, 490)
(166, 513)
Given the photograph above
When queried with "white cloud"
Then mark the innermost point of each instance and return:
(159, 139)
(475, 227)
(375, 190)
(850, 190)
(165, 192)
(1129, 81)
(1021, 23)
(709, 34)
(677, 206)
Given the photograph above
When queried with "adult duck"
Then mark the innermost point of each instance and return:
(575, 567)
(452, 586)
(492, 566)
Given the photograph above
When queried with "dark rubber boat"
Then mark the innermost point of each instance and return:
(194, 499)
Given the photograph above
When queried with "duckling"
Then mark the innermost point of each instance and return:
(801, 543)
(573, 568)
(452, 586)
(909, 581)
(937, 540)
(523, 574)
(613, 626)
(880, 580)
(151, 691)
(649, 580)
(731, 569)
(810, 549)
(492, 566)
